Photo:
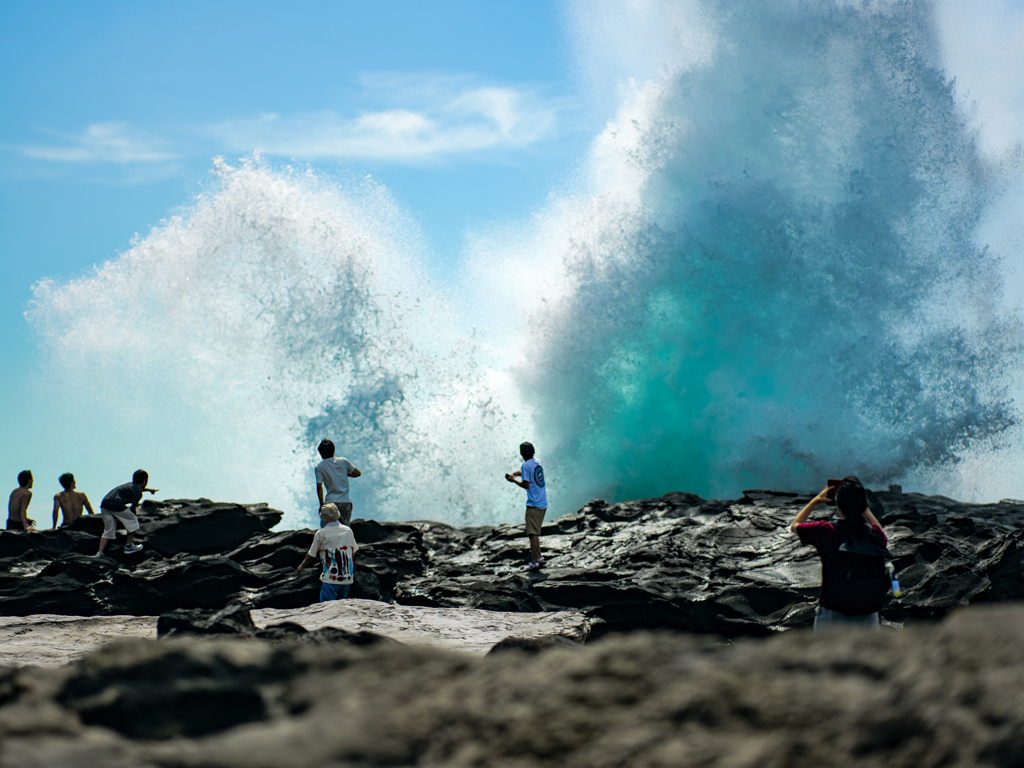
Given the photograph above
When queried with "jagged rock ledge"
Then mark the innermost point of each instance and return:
(676, 562)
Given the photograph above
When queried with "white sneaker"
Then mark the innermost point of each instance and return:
(133, 549)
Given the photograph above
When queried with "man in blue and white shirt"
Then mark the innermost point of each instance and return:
(531, 479)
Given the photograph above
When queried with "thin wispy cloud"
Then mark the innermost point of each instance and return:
(423, 118)
(99, 143)
(412, 119)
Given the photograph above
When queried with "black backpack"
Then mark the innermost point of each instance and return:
(858, 580)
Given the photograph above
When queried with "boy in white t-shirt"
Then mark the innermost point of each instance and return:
(334, 545)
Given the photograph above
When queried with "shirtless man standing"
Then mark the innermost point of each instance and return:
(69, 501)
(17, 507)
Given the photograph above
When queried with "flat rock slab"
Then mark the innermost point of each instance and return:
(468, 630)
(50, 641)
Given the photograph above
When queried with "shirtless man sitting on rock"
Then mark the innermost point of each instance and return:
(17, 506)
(69, 501)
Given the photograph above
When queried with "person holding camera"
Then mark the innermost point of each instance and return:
(852, 548)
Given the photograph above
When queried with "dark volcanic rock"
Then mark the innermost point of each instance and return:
(233, 620)
(47, 544)
(947, 694)
(532, 645)
(676, 562)
(729, 568)
(201, 527)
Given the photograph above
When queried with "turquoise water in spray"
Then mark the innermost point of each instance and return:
(794, 288)
(769, 273)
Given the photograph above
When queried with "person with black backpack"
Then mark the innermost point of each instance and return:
(855, 575)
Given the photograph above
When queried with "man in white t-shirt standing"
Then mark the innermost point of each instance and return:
(532, 480)
(333, 473)
(335, 547)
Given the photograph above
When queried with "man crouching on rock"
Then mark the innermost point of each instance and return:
(335, 546)
(115, 509)
(532, 481)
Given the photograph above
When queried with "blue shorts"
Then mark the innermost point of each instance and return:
(333, 591)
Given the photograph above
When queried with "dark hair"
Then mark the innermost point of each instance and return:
(526, 450)
(326, 449)
(24, 477)
(852, 500)
(66, 480)
(140, 477)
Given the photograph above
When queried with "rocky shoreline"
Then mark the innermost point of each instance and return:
(251, 670)
(678, 562)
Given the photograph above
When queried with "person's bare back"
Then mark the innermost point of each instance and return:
(71, 504)
(17, 505)
(69, 501)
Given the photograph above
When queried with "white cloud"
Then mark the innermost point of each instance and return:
(100, 143)
(437, 117)
(399, 118)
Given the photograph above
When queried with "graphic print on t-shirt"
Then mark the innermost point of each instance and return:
(536, 494)
(338, 564)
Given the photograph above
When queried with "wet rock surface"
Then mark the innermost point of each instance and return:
(946, 694)
(676, 562)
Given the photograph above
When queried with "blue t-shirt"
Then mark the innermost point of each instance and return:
(536, 494)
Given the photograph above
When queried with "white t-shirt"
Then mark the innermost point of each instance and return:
(335, 546)
(536, 494)
(333, 474)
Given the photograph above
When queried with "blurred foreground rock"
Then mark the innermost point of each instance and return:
(950, 694)
(679, 562)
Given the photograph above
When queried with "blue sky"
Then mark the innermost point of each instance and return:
(114, 111)
(472, 114)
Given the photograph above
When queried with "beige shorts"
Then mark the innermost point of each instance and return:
(534, 519)
(111, 518)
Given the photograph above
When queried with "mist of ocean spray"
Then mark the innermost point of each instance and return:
(777, 279)
(275, 311)
(774, 279)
